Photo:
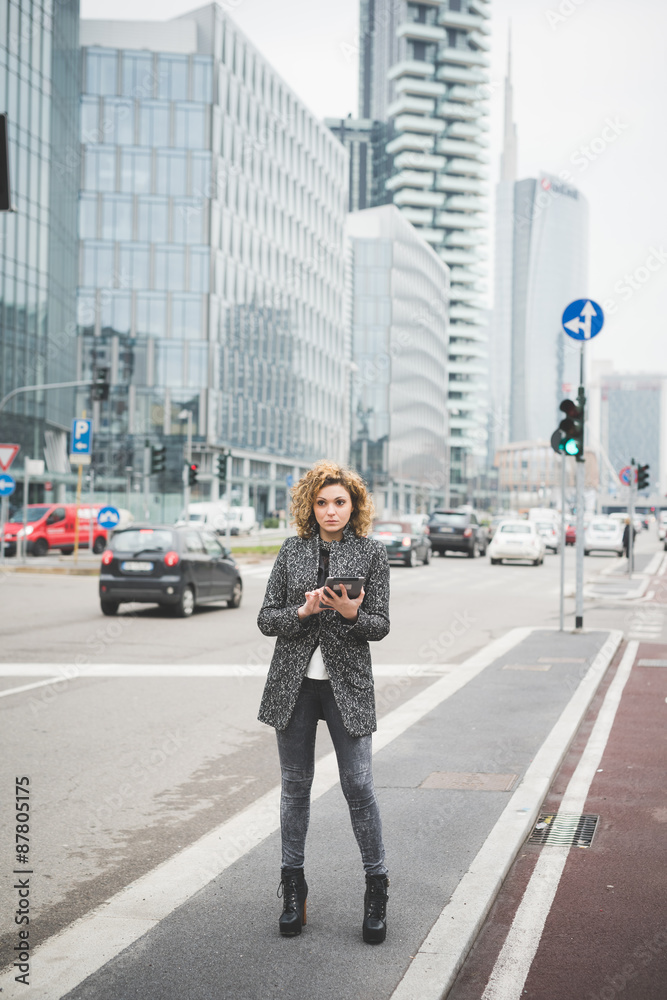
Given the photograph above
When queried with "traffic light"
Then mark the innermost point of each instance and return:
(100, 389)
(642, 477)
(158, 458)
(220, 470)
(569, 438)
(192, 474)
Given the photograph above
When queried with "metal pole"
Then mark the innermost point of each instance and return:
(43, 388)
(76, 515)
(579, 611)
(228, 495)
(147, 477)
(562, 543)
(631, 517)
(26, 497)
(90, 511)
(186, 470)
(3, 520)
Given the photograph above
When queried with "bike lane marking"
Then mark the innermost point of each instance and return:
(443, 952)
(516, 956)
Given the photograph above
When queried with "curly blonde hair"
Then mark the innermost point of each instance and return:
(325, 473)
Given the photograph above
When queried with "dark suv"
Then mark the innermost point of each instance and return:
(456, 531)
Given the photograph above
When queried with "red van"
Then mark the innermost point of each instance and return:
(51, 526)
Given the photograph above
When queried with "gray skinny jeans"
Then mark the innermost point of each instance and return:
(296, 749)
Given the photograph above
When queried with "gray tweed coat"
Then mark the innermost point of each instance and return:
(344, 644)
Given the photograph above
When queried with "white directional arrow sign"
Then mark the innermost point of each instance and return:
(583, 319)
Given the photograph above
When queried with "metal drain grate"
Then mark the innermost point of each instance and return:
(566, 829)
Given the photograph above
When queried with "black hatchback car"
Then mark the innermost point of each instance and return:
(173, 566)
(404, 542)
(457, 531)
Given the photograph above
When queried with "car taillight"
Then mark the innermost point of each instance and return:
(107, 558)
(467, 533)
(171, 558)
(406, 540)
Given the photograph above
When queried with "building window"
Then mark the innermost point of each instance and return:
(100, 71)
(186, 317)
(198, 365)
(117, 217)
(202, 79)
(98, 265)
(188, 220)
(100, 170)
(170, 268)
(154, 123)
(199, 269)
(190, 126)
(135, 171)
(152, 219)
(171, 172)
(172, 83)
(134, 265)
(90, 109)
(118, 121)
(137, 75)
(151, 316)
(88, 216)
(169, 364)
(200, 171)
(116, 313)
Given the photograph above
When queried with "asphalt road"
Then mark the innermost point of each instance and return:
(128, 770)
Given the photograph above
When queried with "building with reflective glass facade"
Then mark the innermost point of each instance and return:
(39, 63)
(212, 214)
(399, 315)
(424, 71)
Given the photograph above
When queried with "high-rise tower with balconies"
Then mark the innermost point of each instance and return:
(423, 71)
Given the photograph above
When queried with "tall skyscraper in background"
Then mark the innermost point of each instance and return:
(423, 72)
(541, 264)
(212, 269)
(39, 78)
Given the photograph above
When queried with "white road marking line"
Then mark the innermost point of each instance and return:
(516, 957)
(67, 958)
(653, 565)
(136, 670)
(437, 963)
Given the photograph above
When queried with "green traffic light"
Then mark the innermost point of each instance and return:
(572, 447)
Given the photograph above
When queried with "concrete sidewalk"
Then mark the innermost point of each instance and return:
(461, 771)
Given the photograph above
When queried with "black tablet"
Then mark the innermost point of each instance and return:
(353, 585)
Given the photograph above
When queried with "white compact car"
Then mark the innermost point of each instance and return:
(550, 532)
(604, 534)
(517, 540)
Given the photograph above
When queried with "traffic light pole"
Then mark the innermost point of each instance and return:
(581, 473)
(147, 479)
(186, 470)
(562, 542)
(631, 517)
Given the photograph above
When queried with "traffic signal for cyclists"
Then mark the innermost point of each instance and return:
(100, 389)
(642, 477)
(569, 438)
(192, 474)
(158, 458)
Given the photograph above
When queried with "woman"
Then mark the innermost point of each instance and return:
(321, 669)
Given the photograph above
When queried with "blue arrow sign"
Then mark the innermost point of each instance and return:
(108, 517)
(82, 437)
(7, 485)
(290, 481)
(583, 319)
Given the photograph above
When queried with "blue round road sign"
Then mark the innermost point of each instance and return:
(290, 481)
(583, 319)
(108, 517)
(7, 485)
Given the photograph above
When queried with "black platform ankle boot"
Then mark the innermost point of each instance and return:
(375, 909)
(294, 889)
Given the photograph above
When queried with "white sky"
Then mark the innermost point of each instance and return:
(576, 65)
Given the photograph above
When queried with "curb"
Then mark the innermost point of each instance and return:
(54, 570)
(445, 948)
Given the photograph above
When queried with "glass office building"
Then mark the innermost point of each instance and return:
(399, 294)
(212, 272)
(39, 61)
